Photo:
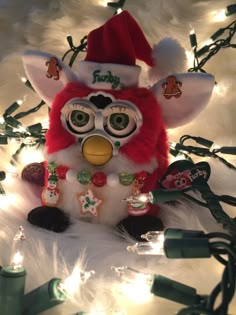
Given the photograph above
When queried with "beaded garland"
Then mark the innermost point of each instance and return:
(89, 202)
(100, 179)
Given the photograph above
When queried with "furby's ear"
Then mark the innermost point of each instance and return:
(183, 96)
(47, 74)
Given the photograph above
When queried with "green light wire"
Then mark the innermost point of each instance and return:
(204, 150)
(32, 110)
(214, 47)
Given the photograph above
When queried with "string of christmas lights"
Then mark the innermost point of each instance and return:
(13, 300)
(184, 244)
(11, 128)
(216, 43)
(207, 149)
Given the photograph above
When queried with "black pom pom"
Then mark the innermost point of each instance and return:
(136, 226)
(49, 218)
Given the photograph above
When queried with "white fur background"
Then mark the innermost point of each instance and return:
(44, 25)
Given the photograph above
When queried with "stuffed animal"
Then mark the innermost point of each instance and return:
(107, 137)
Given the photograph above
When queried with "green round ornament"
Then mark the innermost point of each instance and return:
(84, 177)
(126, 179)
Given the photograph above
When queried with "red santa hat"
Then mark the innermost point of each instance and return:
(112, 50)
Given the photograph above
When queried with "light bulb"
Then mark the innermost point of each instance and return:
(154, 236)
(19, 102)
(2, 120)
(132, 275)
(147, 248)
(20, 235)
(218, 16)
(17, 259)
(103, 3)
(137, 199)
(23, 79)
(72, 283)
(135, 285)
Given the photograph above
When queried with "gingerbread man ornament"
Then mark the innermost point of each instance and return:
(53, 68)
(172, 87)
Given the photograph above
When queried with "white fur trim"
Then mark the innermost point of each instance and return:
(196, 91)
(169, 57)
(108, 75)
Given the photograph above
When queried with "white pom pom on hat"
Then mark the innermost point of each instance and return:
(169, 57)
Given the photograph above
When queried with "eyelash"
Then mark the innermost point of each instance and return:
(119, 109)
(78, 107)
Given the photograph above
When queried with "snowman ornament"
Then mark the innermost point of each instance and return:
(51, 194)
(108, 136)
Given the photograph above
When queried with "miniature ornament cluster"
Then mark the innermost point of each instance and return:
(107, 138)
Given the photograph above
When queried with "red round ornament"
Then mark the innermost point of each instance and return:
(99, 179)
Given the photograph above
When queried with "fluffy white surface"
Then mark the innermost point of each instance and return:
(44, 25)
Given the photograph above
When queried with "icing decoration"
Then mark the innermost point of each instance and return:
(53, 68)
(182, 174)
(171, 87)
(89, 203)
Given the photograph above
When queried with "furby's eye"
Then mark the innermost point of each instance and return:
(120, 122)
(79, 118)
(80, 121)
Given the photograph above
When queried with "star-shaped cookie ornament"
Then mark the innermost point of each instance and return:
(89, 203)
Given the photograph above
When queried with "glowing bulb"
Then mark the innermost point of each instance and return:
(192, 32)
(136, 199)
(30, 155)
(45, 125)
(136, 286)
(103, 3)
(129, 274)
(17, 261)
(2, 120)
(154, 236)
(20, 235)
(214, 147)
(220, 90)
(147, 248)
(72, 283)
(219, 16)
(19, 102)
(23, 79)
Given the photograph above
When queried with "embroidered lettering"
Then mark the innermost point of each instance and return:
(109, 78)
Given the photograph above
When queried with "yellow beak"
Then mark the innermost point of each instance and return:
(97, 150)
